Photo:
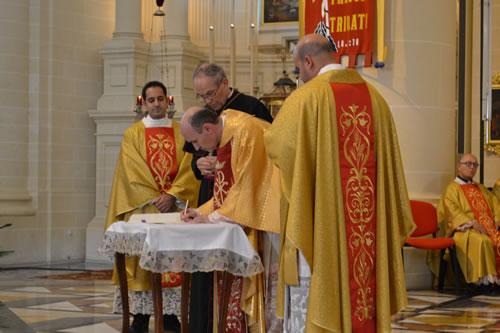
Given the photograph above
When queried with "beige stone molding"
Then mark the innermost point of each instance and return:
(16, 204)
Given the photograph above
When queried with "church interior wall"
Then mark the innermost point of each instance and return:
(55, 76)
(491, 161)
(60, 170)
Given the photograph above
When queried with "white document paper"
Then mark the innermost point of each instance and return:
(161, 218)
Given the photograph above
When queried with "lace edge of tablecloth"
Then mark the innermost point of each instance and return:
(201, 261)
(130, 244)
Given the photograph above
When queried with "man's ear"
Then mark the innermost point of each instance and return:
(308, 62)
(207, 127)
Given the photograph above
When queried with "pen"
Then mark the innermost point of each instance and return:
(186, 208)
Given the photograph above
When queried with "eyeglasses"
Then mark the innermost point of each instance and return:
(208, 95)
(470, 164)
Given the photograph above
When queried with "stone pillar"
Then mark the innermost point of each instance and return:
(125, 67)
(15, 198)
(128, 19)
(179, 54)
(126, 60)
(176, 23)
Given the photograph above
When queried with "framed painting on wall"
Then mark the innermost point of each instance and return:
(280, 11)
(493, 126)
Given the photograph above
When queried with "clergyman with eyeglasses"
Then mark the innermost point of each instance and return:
(470, 214)
(212, 88)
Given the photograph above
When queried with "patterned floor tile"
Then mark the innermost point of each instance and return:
(33, 305)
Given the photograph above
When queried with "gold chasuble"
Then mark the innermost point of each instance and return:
(482, 212)
(151, 163)
(475, 255)
(246, 190)
(345, 204)
(496, 189)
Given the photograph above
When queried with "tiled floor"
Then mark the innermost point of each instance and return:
(30, 304)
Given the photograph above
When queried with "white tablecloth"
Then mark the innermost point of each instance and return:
(184, 247)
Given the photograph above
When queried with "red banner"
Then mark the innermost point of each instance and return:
(348, 24)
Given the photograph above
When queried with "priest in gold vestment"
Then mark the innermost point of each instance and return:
(246, 192)
(152, 175)
(470, 214)
(496, 189)
(345, 212)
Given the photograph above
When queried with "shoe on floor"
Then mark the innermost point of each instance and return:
(140, 324)
(171, 323)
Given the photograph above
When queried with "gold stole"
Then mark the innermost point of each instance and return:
(162, 161)
(357, 170)
(483, 215)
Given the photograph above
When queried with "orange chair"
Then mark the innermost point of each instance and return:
(425, 217)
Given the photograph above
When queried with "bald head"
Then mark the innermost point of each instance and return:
(467, 166)
(314, 45)
(312, 53)
(202, 127)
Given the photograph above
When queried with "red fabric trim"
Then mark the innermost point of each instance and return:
(161, 156)
(224, 179)
(482, 212)
(357, 170)
(236, 318)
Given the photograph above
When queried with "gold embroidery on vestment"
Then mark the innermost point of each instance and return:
(161, 149)
(481, 207)
(360, 203)
(220, 185)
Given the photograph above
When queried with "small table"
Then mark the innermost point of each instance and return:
(185, 248)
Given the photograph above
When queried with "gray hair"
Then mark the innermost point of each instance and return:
(211, 70)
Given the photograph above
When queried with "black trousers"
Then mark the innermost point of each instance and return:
(201, 303)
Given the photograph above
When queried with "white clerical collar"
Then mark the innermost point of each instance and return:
(231, 93)
(150, 122)
(462, 181)
(330, 67)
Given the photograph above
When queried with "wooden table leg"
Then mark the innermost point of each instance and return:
(227, 283)
(122, 276)
(157, 301)
(186, 281)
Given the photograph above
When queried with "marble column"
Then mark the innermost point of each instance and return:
(15, 198)
(180, 57)
(128, 19)
(125, 67)
(129, 62)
